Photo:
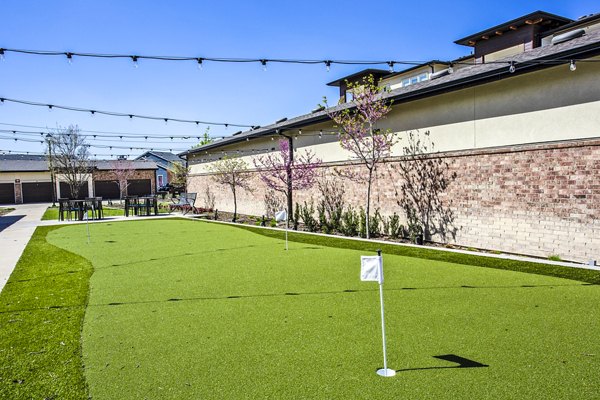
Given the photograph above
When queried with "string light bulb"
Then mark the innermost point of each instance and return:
(328, 65)
(572, 66)
(49, 107)
(320, 133)
(391, 65)
(512, 68)
(69, 58)
(451, 68)
(264, 65)
(299, 131)
(135, 61)
(199, 62)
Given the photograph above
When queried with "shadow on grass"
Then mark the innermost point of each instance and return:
(333, 292)
(461, 361)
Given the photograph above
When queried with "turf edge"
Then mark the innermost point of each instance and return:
(42, 308)
(577, 274)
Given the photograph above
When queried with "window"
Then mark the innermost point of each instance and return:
(160, 180)
(415, 79)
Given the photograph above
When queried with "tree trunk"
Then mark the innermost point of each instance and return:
(234, 204)
(368, 202)
(290, 204)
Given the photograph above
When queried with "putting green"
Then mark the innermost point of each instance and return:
(189, 309)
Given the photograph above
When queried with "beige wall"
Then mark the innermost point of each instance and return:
(550, 105)
(9, 177)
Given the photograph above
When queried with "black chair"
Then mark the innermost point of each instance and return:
(99, 207)
(131, 204)
(63, 209)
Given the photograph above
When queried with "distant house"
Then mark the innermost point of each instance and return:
(27, 179)
(164, 163)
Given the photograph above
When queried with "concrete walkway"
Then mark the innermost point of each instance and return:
(16, 228)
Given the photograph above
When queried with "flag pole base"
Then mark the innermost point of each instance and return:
(387, 372)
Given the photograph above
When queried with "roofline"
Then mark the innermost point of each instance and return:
(427, 64)
(153, 153)
(589, 50)
(573, 24)
(359, 73)
(478, 35)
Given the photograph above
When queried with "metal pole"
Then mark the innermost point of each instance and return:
(385, 371)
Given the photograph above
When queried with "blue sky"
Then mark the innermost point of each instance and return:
(234, 93)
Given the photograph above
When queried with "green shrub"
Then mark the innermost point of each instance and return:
(349, 225)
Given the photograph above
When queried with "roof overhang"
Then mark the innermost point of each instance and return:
(529, 19)
(464, 78)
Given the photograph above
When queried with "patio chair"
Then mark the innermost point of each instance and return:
(90, 205)
(99, 208)
(131, 204)
(185, 202)
(63, 209)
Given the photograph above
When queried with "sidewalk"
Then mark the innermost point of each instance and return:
(16, 228)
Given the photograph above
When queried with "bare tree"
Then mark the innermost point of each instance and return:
(282, 172)
(70, 157)
(123, 171)
(232, 172)
(359, 134)
(425, 177)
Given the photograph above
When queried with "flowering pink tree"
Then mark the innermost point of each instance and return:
(284, 173)
(123, 170)
(359, 134)
(232, 172)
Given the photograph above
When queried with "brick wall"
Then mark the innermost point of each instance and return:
(531, 199)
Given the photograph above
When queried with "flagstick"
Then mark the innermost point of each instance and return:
(385, 371)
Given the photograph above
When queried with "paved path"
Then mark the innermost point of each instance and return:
(16, 228)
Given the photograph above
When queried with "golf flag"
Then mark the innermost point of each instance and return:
(371, 269)
(280, 216)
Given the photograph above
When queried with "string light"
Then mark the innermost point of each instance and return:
(69, 58)
(512, 68)
(320, 133)
(572, 66)
(119, 114)
(263, 61)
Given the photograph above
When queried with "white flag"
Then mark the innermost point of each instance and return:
(371, 268)
(280, 216)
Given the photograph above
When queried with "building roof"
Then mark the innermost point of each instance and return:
(29, 163)
(377, 73)
(23, 165)
(165, 155)
(583, 47)
(22, 157)
(524, 20)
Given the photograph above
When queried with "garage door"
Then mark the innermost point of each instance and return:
(65, 191)
(106, 189)
(139, 187)
(7, 193)
(37, 192)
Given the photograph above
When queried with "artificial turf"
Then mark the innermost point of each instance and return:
(41, 317)
(188, 309)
